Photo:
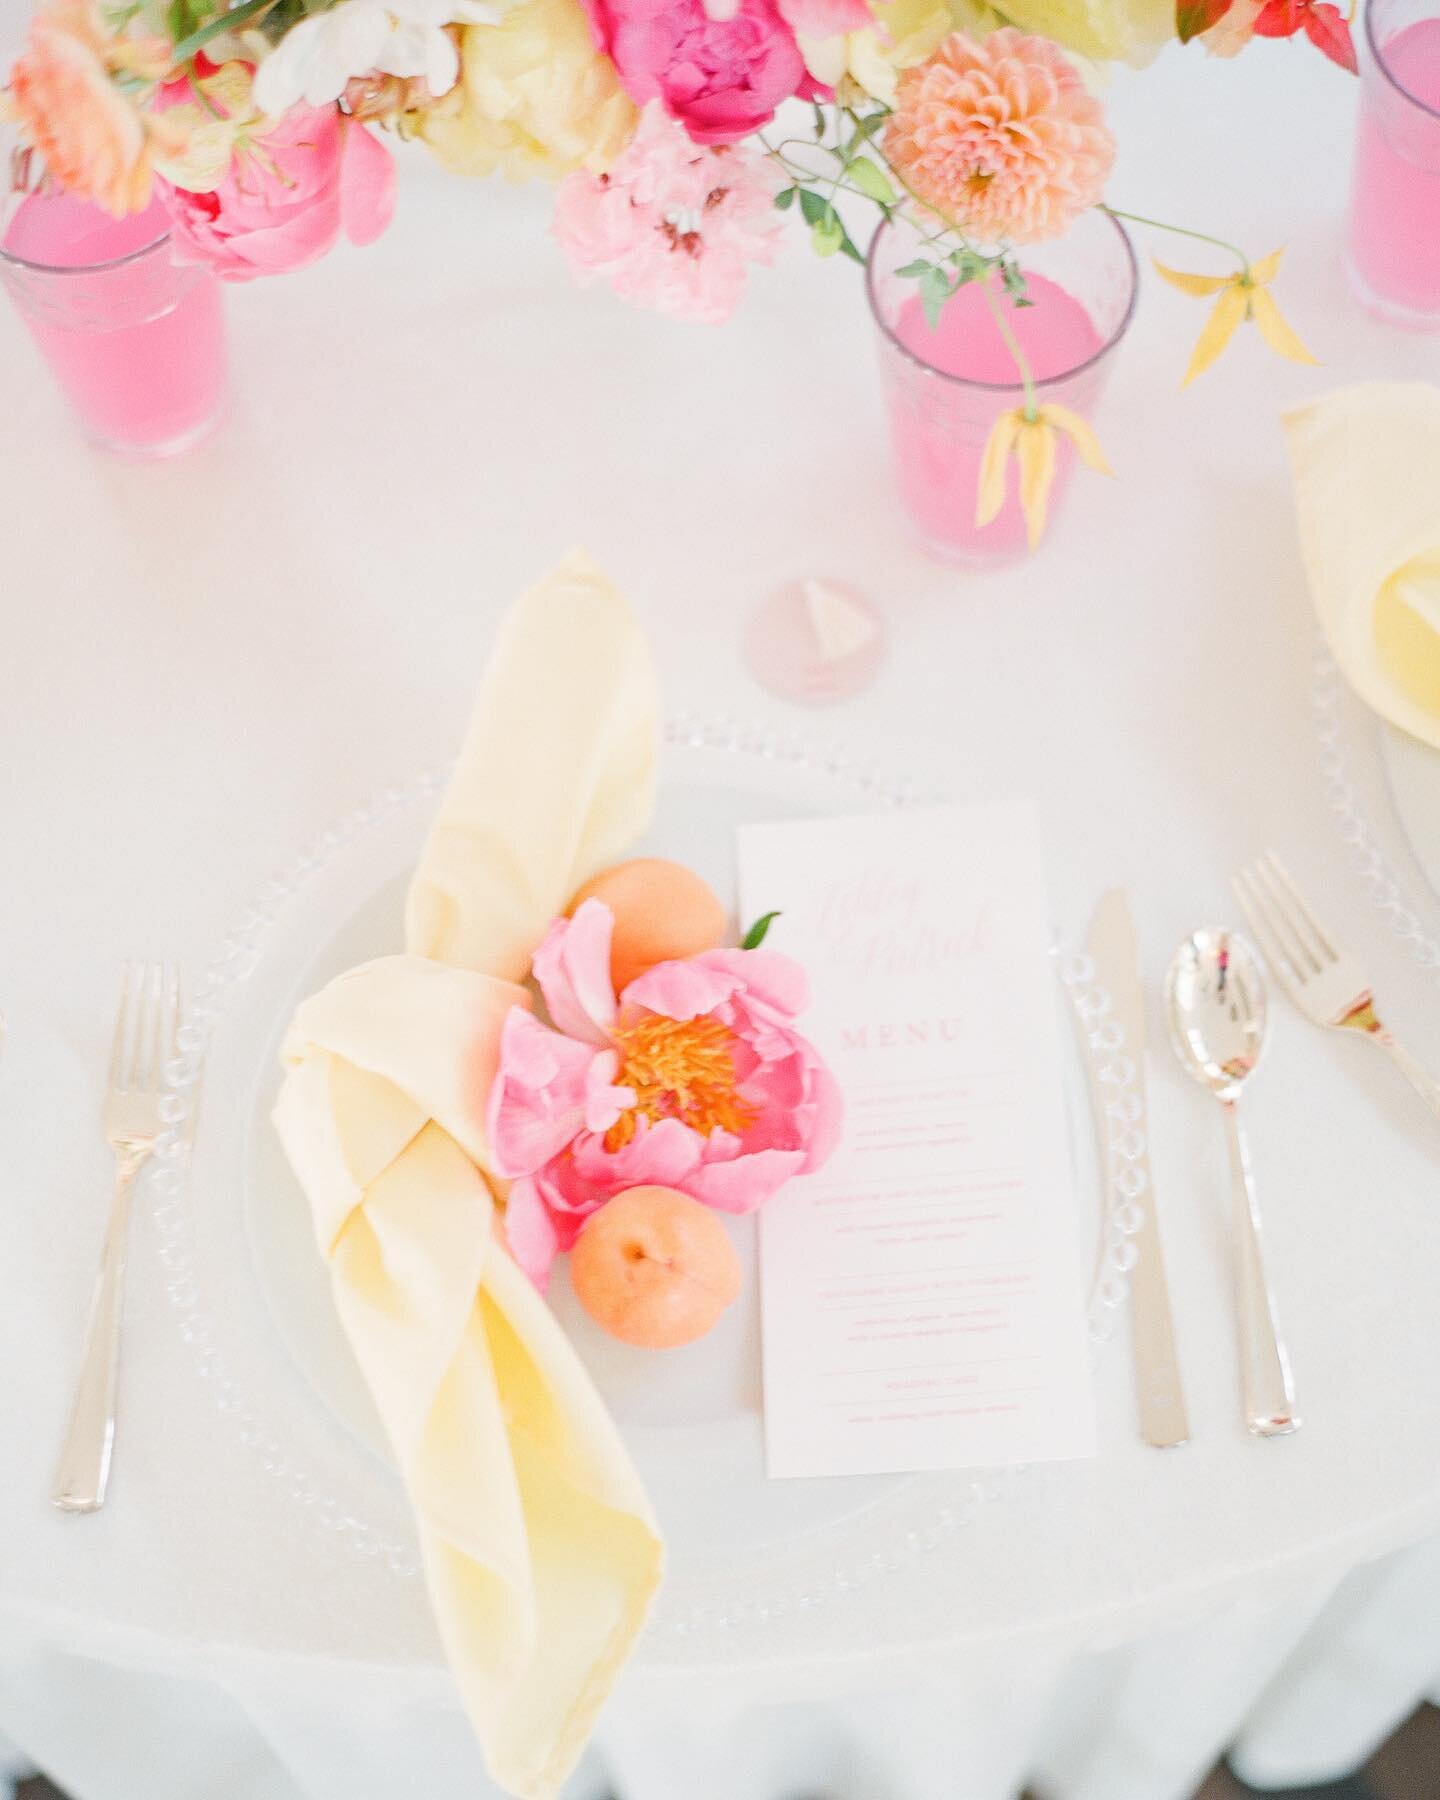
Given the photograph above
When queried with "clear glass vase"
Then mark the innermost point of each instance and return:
(945, 387)
(1395, 200)
(135, 339)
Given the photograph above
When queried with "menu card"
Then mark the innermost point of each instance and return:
(922, 1295)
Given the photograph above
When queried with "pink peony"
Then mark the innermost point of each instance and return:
(286, 197)
(1000, 137)
(695, 1079)
(721, 77)
(675, 225)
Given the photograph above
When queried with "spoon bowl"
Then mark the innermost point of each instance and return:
(1215, 1002)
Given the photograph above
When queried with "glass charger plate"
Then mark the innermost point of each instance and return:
(252, 1293)
(1384, 792)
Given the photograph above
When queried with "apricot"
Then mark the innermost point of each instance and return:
(654, 1268)
(663, 912)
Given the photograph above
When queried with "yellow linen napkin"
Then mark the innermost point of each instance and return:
(540, 1549)
(1367, 485)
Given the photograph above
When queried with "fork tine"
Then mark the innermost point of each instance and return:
(118, 1054)
(1252, 904)
(156, 1048)
(1306, 958)
(172, 1010)
(1303, 907)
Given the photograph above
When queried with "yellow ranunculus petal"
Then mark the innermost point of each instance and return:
(1035, 453)
(990, 494)
(1267, 268)
(1220, 327)
(1197, 286)
(1273, 328)
(1080, 433)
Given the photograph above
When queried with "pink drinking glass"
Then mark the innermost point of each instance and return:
(943, 390)
(1395, 201)
(136, 340)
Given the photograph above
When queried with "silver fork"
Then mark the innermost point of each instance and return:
(1323, 980)
(144, 1037)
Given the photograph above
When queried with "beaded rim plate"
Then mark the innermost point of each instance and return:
(1367, 813)
(236, 1349)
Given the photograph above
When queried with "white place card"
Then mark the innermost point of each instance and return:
(922, 1296)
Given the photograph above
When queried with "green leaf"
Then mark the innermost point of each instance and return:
(784, 198)
(814, 206)
(225, 21)
(827, 235)
(935, 290)
(968, 265)
(755, 936)
(1194, 16)
(871, 180)
(914, 270)
(1013, 279)
(822, 124)
(848, 247)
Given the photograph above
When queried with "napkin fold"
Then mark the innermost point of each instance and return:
(1366, 461)
(540, 1550)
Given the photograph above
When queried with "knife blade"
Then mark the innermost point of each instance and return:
(1112, 947)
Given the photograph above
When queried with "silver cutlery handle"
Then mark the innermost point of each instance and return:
(83, 1470)
(1419, 1077)
(1265, 1369)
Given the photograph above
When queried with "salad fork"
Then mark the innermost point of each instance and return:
(144, 1037)
(1321, 977)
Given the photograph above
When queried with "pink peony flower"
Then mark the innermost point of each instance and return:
(286, 197)
(675, 225)
(1000, 137)
(694, 1079)
(721, 77)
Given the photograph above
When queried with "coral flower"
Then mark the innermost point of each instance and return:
(92, 139)
(694, 1079)
(1000, 137)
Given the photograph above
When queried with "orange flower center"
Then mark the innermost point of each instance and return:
(679, 1069)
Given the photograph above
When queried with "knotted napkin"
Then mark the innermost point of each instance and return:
(540, 1549)
(1367, 487)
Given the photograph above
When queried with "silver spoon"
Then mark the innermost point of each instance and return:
(1215, 999)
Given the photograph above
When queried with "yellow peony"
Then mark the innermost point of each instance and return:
(1105, 30)
(867, 63)
(535, 97)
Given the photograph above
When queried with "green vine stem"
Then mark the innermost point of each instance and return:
(1203, 237)
(1012, 344)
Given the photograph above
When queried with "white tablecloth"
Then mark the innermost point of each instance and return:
(207, 662)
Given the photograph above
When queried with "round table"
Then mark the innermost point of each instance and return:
(208, 661)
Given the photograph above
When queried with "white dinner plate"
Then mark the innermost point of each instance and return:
(747, 1555)
(1413, 771)
(691, 1417)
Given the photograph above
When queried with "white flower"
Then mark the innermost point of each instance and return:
(317, 57)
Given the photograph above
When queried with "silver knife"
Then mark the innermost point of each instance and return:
(1163, 1421)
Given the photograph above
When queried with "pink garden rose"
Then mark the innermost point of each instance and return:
(674, 225)
(694, 1079)
(721, 77)
(286, 197)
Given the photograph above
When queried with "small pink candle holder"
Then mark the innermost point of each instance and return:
(1395, 201)
(135, 339)
(945, 387)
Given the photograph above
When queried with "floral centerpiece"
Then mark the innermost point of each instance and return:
(667, 126)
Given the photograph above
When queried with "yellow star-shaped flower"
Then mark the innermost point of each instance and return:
(1034, 441)
(1243, 296)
